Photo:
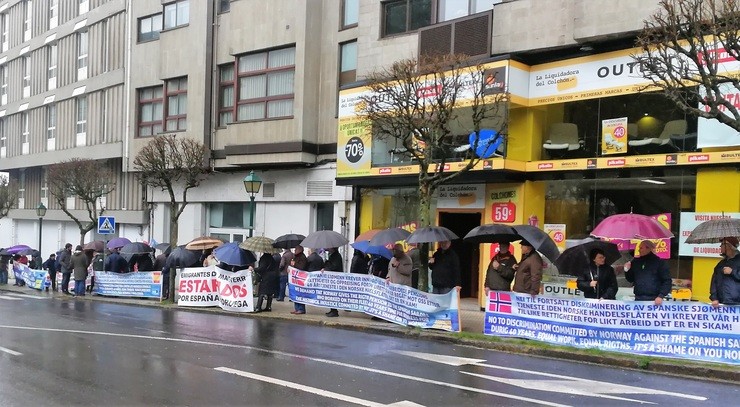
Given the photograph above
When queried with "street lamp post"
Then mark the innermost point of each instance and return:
(252, 184)
(41, 212)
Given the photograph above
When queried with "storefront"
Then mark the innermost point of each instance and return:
(585, 141)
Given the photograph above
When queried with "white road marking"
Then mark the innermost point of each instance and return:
(564, 384)
(7, 297)
(293, 355)
(12, 352)
(17, 296)
(307, 389)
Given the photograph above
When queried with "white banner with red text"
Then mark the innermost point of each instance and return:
(215, 287)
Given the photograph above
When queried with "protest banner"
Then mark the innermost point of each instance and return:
(141, 284)
(215, 287)
(396, 303)
(36, 279)
(685, 330)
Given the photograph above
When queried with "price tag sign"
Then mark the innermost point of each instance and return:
(503, 212)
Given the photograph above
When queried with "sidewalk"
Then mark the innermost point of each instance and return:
(471, 320)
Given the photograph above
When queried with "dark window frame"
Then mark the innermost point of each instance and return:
(408, 24)
(266, 99)
(222, 86)
(150, 35)
(342, 24)
(224, 6)
(178, 24)
(166, 117)
(341, 80)
(140, 102)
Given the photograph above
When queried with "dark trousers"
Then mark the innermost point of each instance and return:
(65, 282)
(283, 284)
(53, 278)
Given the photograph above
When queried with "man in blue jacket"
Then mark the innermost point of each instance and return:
(649, 274)
(116, 263)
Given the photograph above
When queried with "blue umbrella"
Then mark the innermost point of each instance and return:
(232, 254)
(364, 246)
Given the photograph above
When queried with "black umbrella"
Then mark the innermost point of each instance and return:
(136, 248)
(431, 234)
(288, 241)
(324, 239)
(577, 258)
(492, 233)
(540, 240)
(182, 257)
(389, 236)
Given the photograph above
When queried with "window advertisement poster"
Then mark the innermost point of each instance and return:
(681, 330)
(614, 136)
(503, 203)
(689, 221)
(556, 231)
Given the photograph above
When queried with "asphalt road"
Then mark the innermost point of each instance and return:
(76, 352)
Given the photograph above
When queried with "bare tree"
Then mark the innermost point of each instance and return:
(88, 180)
(684, 45)
(429, 106)
(173, 165)
(7, 196)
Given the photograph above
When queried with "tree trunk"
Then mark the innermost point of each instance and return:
(173, 243)
(425, 204)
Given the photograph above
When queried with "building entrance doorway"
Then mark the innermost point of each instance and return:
(469, 254)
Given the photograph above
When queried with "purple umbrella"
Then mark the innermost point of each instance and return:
(17, 248)
(118, 242)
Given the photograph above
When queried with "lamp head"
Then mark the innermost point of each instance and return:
(252, 183)
(41, 210)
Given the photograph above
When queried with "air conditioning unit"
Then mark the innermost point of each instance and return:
(469, 35)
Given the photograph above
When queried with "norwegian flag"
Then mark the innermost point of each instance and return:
(499, 302)
(298, 277)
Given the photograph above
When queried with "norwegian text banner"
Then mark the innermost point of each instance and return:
(686, 330)
(374, 296)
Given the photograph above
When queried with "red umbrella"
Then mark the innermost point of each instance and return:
(628, 226)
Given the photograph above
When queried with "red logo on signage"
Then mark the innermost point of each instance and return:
(719, 55)
(429, 91)
(615, 163)
(544, 166)
(386, 170)
(698, 158)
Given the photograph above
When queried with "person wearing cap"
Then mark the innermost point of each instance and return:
(725, 285)
(529, 270)
(501, 271)
(598, 279)
(649, 274)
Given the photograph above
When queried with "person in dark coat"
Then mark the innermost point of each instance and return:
(314, 262)
(501, 271)
(725, 285)
(598, 280)
(115, 263)
(284, 262)
(649, 274)
(445, 267)
(379, 266)
(300, 261)
(360, 263)
(50, 266)
(269, 285)
(334, 263)
(79, 267)
(65, 265)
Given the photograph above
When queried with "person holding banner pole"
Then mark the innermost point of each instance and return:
(725, 285)
(649, 274)
(598, 281)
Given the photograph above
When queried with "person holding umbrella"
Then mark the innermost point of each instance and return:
(598, 280)
(285, 260)
(529, 270)
(501, 271)
(49, 266)
(300, 261)
(649, 274)
(725, 285)
(333, 263)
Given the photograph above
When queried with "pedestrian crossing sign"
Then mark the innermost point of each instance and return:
(106, 225)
